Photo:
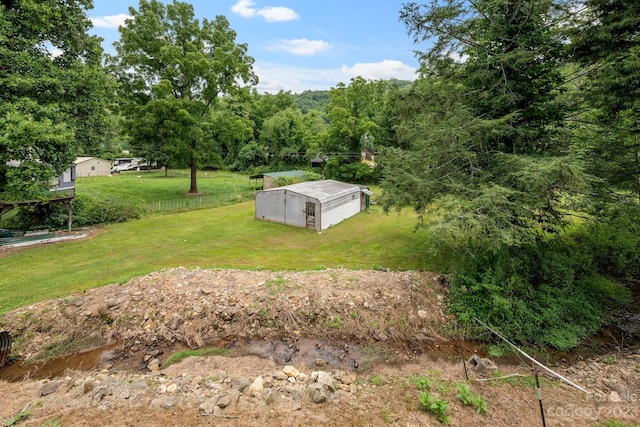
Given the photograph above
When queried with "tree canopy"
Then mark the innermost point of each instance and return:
(168, 63)
(53, 92)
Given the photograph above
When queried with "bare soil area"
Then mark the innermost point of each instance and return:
(329, 347)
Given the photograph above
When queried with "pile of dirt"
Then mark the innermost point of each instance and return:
(292, 348)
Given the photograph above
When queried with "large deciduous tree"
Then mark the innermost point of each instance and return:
(53, 92)
(167, 60)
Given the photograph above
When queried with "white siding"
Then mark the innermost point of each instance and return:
(339, 213)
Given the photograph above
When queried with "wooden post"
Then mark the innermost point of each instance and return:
(70, 215)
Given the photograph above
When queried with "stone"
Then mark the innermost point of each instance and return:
(171, 388)
(153, 365)
(256, 388)
(290, 371)
(273, 397)
(279, 375)
(50, 388)
(324, 379)
(167, 402)
(423, 314)
(317, 393)
(176, 321)
(614, 397)
(207, 407)
(320, 362)
(87, 386)
(240, 383)
(224, 401)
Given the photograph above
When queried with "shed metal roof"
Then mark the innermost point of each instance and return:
(323, 191)
(288, 174)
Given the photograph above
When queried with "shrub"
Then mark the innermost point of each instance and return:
(85, 212)
(549, 293)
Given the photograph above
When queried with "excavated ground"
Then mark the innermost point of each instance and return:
(285, 349)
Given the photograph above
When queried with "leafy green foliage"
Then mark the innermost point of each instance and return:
(550, 293)
(53, 93)
(469, 398)
(173, 69)
(434, 405)
(85, 212)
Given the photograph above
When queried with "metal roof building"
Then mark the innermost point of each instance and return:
(315, 204)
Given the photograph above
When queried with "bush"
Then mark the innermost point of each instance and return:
(85, 212)
(555, 292)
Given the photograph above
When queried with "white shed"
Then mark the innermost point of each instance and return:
(92, 166)
(314, 204)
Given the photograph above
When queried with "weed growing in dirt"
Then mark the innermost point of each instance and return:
(376, 381)
(469, 398)
(17, 418)
(334, 322)
(181, 355)
(434, 405)
(276, 285)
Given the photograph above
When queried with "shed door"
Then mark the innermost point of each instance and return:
(311, 215)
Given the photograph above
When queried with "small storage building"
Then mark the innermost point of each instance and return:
(92, 166)
(314, 204)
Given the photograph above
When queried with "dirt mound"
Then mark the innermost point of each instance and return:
(293, 348)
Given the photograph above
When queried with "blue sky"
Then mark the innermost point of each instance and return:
(300, 44)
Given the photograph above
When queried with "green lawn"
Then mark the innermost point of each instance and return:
(223, 237)
(153, 186)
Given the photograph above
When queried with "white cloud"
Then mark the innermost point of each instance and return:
(387, 69)
(112, 21)
(246, 9)
(276, 77)
(301, 46)
(278, 13)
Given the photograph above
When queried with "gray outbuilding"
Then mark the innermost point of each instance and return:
(315, 204)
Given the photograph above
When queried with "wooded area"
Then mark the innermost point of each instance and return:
(518, 145)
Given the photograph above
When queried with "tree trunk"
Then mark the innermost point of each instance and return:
(194, 178)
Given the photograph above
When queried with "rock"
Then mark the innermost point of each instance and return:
(324, 379)
(422, 314)
(153, 365)
(176, 321)
(169, 402)
(224, 400)
(320, 362)
(171, 388)
(240, 383)
(317, 393)
(208, 406)
(273, 397)
(290, 371)
(256, 388)
(279, 375)
(614, 397)
(87, 387)
(49, 388)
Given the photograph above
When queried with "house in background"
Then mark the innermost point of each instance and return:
(315, 204)
(92, 166)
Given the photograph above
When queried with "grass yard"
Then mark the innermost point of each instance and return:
(153, 186)
(223, 237)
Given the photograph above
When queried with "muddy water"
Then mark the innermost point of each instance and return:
(86, 360)
(310, 352)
